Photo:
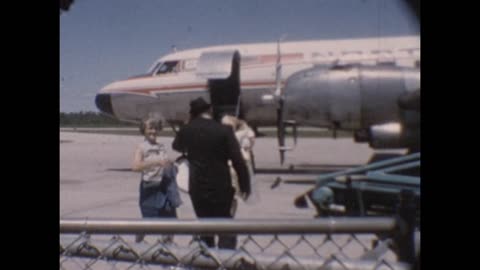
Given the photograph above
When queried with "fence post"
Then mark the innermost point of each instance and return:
(405, 238)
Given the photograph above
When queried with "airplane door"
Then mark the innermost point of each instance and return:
(222, 69)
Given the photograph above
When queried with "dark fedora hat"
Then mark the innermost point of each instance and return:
(198, 105)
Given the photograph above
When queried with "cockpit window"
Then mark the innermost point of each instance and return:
(167, 67)
(190, 64)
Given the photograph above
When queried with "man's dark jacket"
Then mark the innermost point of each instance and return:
(208, 146)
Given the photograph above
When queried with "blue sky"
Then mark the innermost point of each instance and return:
(106, 40)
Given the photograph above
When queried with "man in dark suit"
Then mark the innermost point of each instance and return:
(208, 146)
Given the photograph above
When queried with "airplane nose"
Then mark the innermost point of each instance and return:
(104, 103)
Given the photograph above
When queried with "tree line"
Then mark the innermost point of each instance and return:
(90, 119)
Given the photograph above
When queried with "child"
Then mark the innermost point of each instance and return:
(159, 196)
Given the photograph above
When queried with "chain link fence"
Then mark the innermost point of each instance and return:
(324, 243)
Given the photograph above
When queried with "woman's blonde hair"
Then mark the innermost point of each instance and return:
(154, 123)
(230, 121)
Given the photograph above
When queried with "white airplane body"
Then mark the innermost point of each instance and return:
(350, 84)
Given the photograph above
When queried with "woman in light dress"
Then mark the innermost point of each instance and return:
(246, 139)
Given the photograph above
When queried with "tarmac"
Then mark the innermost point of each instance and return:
(96, 180)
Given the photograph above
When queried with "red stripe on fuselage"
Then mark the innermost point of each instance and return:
(149, 91)
(164, 88)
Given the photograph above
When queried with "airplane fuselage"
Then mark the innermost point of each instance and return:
(356, 67)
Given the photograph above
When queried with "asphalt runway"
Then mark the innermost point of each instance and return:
(96, 181)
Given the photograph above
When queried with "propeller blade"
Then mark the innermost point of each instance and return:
(279, 97)
(278, 73)
(281, 131)
(282, 156)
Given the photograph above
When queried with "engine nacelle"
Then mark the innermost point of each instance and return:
(349, 97)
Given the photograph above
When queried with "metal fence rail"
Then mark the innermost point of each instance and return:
(326, 243)
(219, 225)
